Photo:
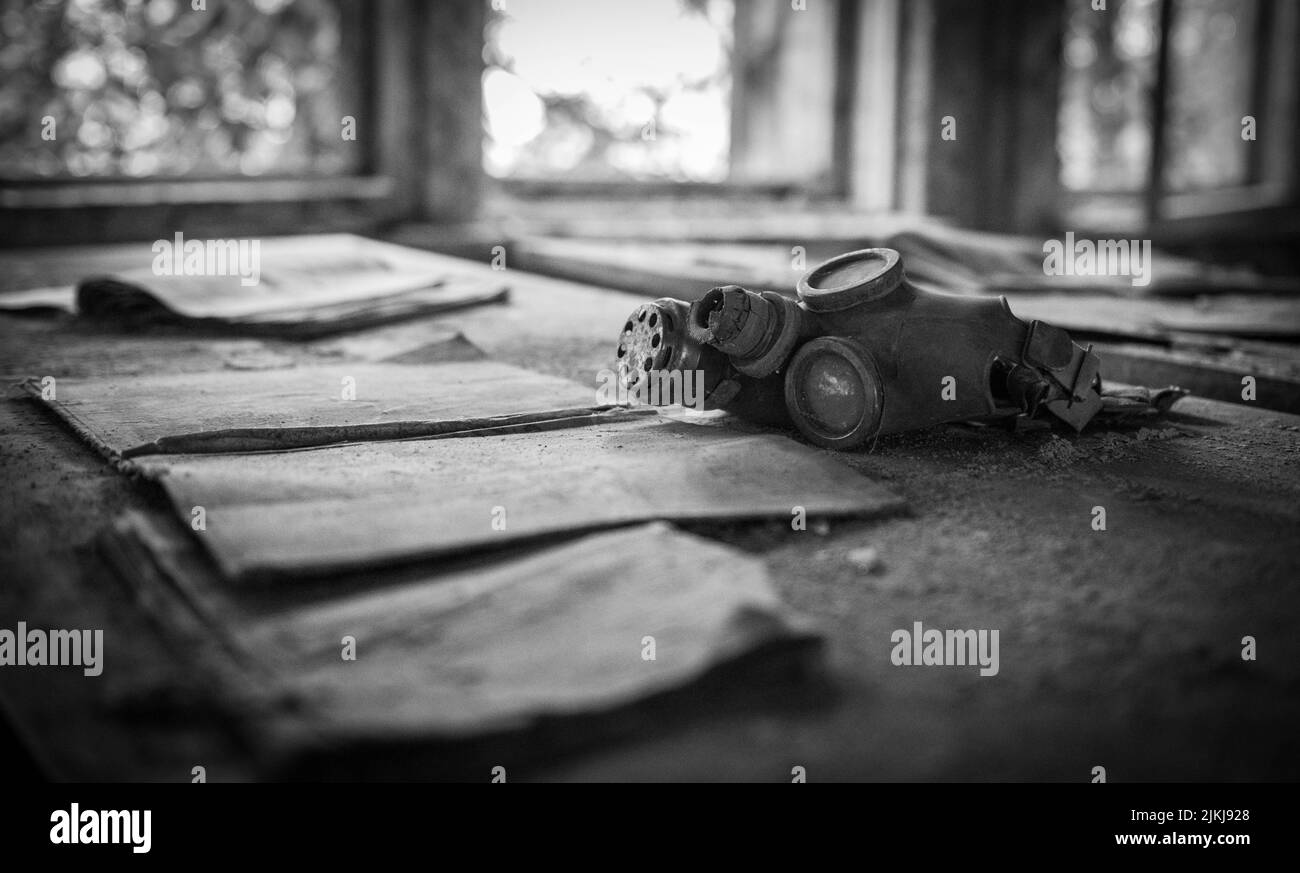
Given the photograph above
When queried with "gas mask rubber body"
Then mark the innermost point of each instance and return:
(862, 353)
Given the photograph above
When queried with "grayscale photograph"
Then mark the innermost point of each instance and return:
(790, 391)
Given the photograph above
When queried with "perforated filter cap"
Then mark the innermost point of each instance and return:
(645, 343)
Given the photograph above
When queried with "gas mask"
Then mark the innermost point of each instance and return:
(861, 353)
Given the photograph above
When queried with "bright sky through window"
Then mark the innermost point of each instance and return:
(597, 90)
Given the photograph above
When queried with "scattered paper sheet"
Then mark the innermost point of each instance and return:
(297, 287)
(354, 506)
(257, 410)
(566, 636)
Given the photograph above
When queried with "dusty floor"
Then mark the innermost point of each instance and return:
(1119, 648)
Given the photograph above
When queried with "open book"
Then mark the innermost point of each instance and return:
(302, 287)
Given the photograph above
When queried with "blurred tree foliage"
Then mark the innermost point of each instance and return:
(1212, 68)
(1105, 119)
(140, 88)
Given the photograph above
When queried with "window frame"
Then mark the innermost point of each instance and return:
(393, 49)
(1272, 190)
